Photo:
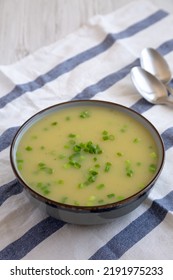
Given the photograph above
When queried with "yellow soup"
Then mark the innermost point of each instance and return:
(87, 156)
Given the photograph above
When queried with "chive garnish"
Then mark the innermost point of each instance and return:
(72, 135)
(153, 155)
(44, 187)
(107, 166)
(136, 140)
(100, 186)
(92, 175)
(92, 148)
(42, 147)
(123, 128)
(100, 201)
(128, 168)
(77, 148)
(54, 123)
(67, 118)
(106, 136)
(120, 154)
(76, 203)
(120, 197)
(60, 182)
(110, 195)
(43, 167)
(64, 199)
(152, 168)
(28, 148)
(84, 115)
(20, 160)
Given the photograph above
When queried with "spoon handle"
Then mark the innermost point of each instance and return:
(170, 90)
(168, 101)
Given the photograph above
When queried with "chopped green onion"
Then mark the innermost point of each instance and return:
(91, 148)
(136, 140)
(153, 155)
(42, 147)
(54, 123)
(64, 199)
(105, 132)
(124, 128)
(67, 146)
(42, 167)
(77, 148)
(92, 176)
(28, 148)
(119, 154)
(106, 136)
(67, 165)
(85, 115)
(60, 182)
(72, 135)
(100, 201)
(100, 186)
(129, 170)
(152, 168)
(81, 185)
(44, 187)
(20, 160)
(19, 166)
(120, 197)
(67, 118)
(110, 195)
(76, 203)
(107, 166)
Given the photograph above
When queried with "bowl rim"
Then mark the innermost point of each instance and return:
(97, 208)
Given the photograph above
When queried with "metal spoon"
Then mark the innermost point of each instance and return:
(150, 87)
(153, 62)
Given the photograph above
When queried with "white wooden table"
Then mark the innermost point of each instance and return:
(26, 25)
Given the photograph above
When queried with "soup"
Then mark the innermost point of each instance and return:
(87, 156)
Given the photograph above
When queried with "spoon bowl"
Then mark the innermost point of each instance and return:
(153, 62)
(150, 87)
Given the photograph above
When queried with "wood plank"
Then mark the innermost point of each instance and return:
(26, 25)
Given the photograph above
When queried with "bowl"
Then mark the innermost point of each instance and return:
(89, 214)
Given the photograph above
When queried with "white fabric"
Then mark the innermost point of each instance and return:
(103, 75)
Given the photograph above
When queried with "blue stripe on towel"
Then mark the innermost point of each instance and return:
(136, 230)
(73, 62)
(9, 189)
(167, 137)
(30, 239)
(140, 106)
(7, 137)
(106, 82)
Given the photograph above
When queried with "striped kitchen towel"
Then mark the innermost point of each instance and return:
(92, 63)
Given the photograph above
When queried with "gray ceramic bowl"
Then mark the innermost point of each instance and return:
(88, 215)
